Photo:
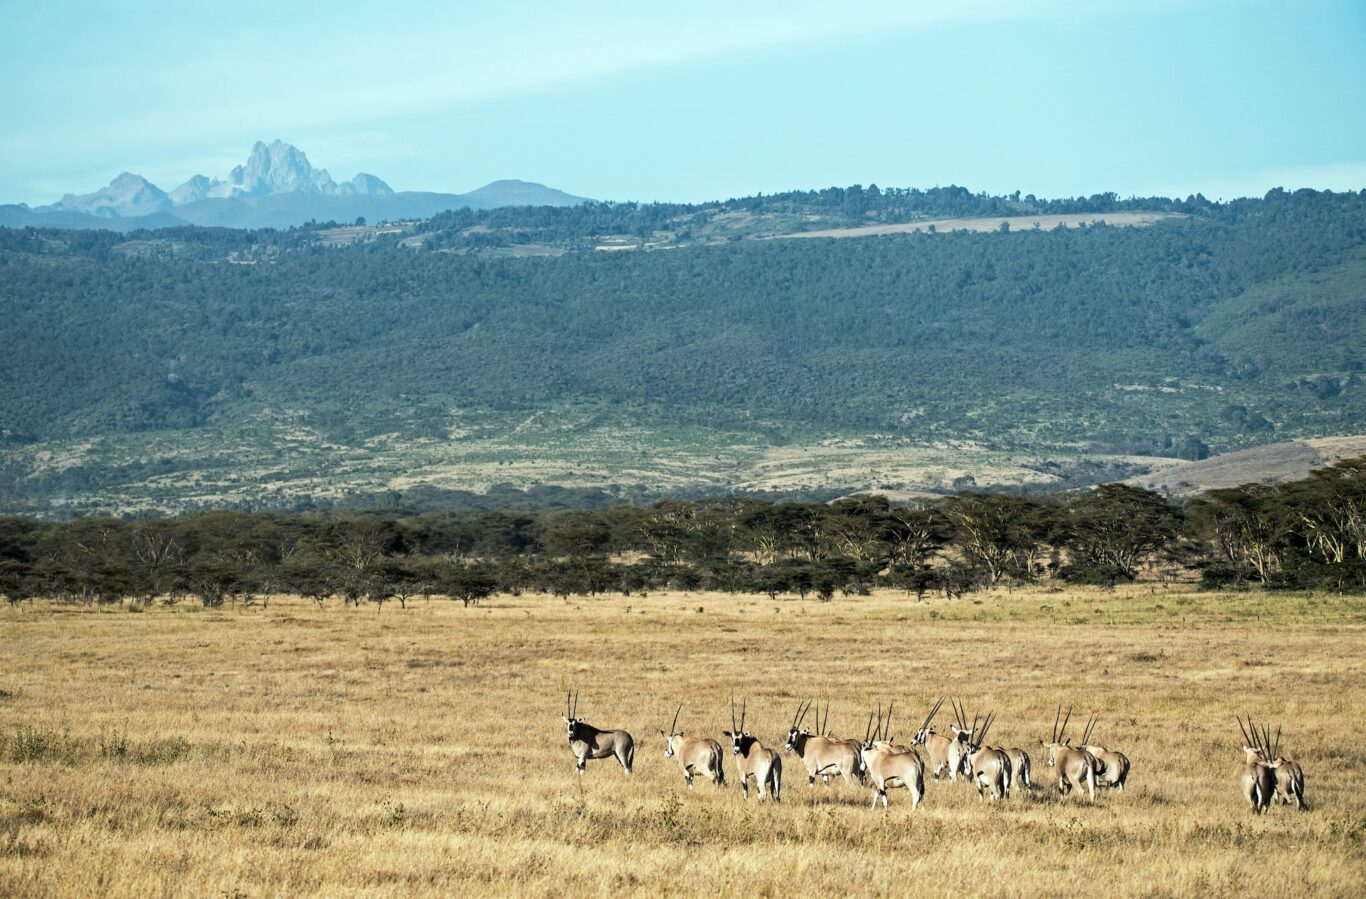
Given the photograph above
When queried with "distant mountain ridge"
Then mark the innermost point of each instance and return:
(277, 187)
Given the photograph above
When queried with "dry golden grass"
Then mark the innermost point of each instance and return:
(339, 752)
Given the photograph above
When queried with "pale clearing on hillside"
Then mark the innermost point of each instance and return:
(1015, 223)
(294, 750)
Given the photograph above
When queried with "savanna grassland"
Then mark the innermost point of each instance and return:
(292, 749)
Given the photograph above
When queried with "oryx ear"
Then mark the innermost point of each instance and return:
(564, 719)
(727, 733)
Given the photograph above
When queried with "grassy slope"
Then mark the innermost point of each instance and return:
(271, 445)
(1273, 464)
(338, 752)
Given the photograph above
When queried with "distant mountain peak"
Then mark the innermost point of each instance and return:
(277, 186)
(127, 195)
(279, 168)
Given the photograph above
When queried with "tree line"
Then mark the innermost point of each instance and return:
(1307, 534)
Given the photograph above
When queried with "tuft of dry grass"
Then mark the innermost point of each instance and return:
(296, 750)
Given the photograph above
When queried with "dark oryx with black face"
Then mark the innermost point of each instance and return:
(823, 755)
(696, 755)
(753, 759)
(588, 742)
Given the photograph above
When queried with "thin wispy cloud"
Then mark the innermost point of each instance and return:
(169, 91)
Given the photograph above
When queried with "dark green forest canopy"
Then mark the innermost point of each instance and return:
(1305, 534)
(1230, 325)
(1092, 334)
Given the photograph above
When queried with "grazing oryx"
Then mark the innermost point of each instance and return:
(1258, 780)
(1289, 775)
(1113, 770)
(888, 765)
(989, 767)
(587, 742)
(753, 759)
(946, 753)
(1075, 767)
(696, 755)
(823, 755)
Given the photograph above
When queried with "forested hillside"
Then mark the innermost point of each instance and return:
(1223, 326)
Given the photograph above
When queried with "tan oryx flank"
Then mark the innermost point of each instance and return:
(1258, 780)
(945, 753)
(588, 742)
(753, 759)
(888, 765)
(1113, 767)
(1289, 775)
(989, 767)
(823, 755)
(1019, 768)
(1074, 767)
(696, 755)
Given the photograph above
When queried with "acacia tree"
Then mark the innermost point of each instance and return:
(1119, 527)
(998, 533)
(468, 583)
(1246, 527)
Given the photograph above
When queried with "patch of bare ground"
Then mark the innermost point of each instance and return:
(1013, 222)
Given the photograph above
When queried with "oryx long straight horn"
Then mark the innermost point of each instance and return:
(589, 742)
(696, 755)
(890, 766)
(753, 760)
(1074, 767)
(824, 756)
(945, 752)
(1112, 767)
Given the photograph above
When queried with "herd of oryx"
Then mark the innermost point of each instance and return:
(880, 762)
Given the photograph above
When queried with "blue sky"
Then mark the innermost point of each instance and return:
(694, 101)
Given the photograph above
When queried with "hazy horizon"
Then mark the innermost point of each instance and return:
(1051, 98)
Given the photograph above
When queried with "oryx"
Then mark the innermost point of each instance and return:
(888, 765)
(1289, 775)
(1113, 770)
(588, 742)
(1019, 768)
(1258, 780)
(1075, 767)
(945, 753)
(696, 755)
(753, 759)
(989, 767)
(823, 755)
